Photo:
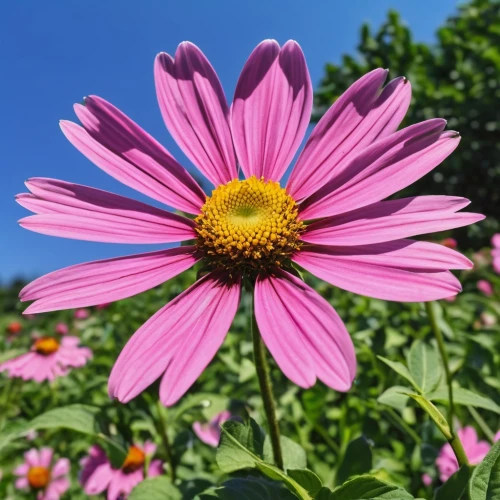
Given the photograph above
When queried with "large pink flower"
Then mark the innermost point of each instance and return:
(98, 475)
(329, 218)
(474, 449)
(39, 474)
(48, 358)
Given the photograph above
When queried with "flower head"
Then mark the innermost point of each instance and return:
(495, 252)
(48, 358)
(81, 314)
(329, 217)
(98, 475)
(61, 329)
(474, 449)
(209, 432)
(485, 287)
(41, 474)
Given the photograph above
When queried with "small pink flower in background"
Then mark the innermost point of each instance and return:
(48, 359)
(41, 475)
(474, 449)
(31, 435)
(354, 159)
(495, 252)
(485, 287)
(426, 479)
(81, 314)
(98, 475)
(209, 432)
(497, 437)
(488, 319)
(61, 328)
(450, 243)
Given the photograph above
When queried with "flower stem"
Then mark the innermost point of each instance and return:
(166, 443)
(451, 436)
(266, 391)
(431, 313)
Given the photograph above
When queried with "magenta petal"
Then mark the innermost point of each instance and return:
(382, 169)
(303, 332)
(389, 271)
(271, 109)
(195, 111)
(359, 117)
(391, 220)
(180, 340)
(125, 151)
(84, 213)
(108, 280)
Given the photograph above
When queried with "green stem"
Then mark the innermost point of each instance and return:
(452, 437)
(403, 425)
(431, 313)
(266, 391)
(484, 426)
(162, 428)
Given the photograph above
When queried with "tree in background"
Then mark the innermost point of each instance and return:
(458, 79)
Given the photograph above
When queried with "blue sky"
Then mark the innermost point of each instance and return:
(55, 52)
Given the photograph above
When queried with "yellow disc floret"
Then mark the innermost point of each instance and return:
(250, 224)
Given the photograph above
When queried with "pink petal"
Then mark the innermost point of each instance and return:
(32, 457)
(180, 340)
(106, 280)
(22, 483)
(495, 240)
(271, 109)
(98, 480)
(84, 213)
(195, 111)
(21, 470)
(155, 468)
(359, 117)
(391, 220)
(61, 468)
(303, 332)
(389, 271)
(382, 169)
(46, 457)
(125, 151)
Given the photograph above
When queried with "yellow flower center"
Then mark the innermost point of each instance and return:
(38, 477)
(250, 225)
(134, 459)
(46, 345)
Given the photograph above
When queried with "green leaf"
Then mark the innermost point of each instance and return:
(250, 488)
(356, 460)
(424, 365)
(456, 485)
(273, 472)
(434, 413)
(401, 370)
(464, 397)
(368, 487)
(202, 400)
(485, 480)
(240, 447)
(155, 488)
(294, 456)
(11, 353)
(307, 479)
(395, 397)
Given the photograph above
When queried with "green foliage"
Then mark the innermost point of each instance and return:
(455, 486)
(156, 488)
(457, 79)
(485, 481)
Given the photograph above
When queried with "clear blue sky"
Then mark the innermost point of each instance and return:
(55, 52)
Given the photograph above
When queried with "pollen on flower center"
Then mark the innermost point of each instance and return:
(38, 477)
(249, 224)
(134, 460)
(46, 345)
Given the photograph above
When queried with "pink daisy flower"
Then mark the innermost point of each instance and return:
(41, 475)
(209, 432)
(81, 314)
(495, 252)
(485, 287)
(98, 475)
(329, 218)
(48, 359)
(474, 449)
(426, 479)
(61, 329)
